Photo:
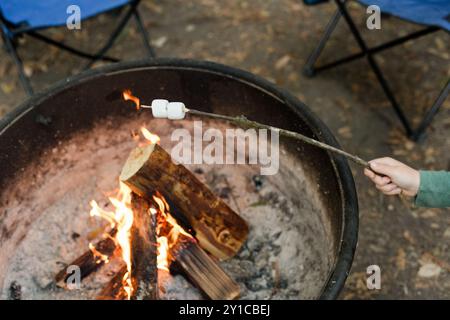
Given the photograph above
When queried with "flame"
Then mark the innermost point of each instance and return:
(122, 219)
(167, 229)
(127, 95)
(168, 232)
(99, 212)
(153, 138)
(163, 253)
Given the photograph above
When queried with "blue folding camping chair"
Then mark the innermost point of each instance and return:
(27, 17)
(433, 14)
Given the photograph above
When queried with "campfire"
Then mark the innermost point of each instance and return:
(61, 163)
(188, 236)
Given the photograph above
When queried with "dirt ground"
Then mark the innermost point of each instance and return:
(273, 38)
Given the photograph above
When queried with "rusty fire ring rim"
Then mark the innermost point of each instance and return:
(349, 228)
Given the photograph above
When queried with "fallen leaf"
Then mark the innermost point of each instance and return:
(429, 270)
(430, 154)
(28, 70)
(295, 7)
(408, 237)
(190, 28)
(435, 225)
(343, 104)
(159, 42)
(447, 233)
(345, 132)
(282, 62)
(7, 87)
(400, 259)
(440, 43)
(428, 214)
(409, 145)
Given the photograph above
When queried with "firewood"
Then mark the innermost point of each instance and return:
(144, 276)
(91, 260)
(205, 273)
(217, 227)
(114, 290)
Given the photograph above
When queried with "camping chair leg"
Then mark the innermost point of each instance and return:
(11, 48)
(67, 48)
(144, 34)
(309, 69)
(373, 64)
(376, 49)
(114, 36)
(431, 113)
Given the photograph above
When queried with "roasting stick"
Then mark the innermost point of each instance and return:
(243, 121)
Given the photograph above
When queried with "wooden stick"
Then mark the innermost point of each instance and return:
(218, 228)
(244, 122)
(203, 271)
(89, 261)
(114, 289)
(144, 276)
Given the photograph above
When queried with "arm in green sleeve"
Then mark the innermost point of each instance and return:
(434, 189)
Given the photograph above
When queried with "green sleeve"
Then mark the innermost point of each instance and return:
(434, 189)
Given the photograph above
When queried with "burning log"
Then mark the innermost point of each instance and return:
(114, 290)
(144, 275)
(91, 260)
(203, 271)
(218, 228)
(143, 257)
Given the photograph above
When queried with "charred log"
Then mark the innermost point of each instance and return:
(144, 275)
(114, 290)
(91, 260)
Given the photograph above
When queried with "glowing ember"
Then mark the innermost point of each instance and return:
(127, 95)
(98, 255)
(122, 219)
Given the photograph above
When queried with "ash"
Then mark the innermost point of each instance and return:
(288, 254)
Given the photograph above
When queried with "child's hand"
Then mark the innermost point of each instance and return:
(393, 177)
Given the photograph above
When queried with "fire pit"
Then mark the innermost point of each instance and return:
(66, 147)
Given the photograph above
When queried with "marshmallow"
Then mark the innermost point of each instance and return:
(176, 110)
(159, 108)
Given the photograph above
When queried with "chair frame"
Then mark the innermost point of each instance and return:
(365, 51)
(12, 45)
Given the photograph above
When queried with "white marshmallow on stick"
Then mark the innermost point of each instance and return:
(164, 109)
(176, 110)
(159, 108)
